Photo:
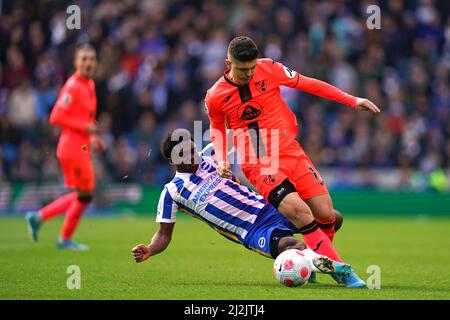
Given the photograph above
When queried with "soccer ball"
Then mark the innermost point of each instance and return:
(291, 268)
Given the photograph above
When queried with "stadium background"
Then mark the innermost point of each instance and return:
(157, 58)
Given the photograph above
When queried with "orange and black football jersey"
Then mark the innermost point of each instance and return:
(262, 123)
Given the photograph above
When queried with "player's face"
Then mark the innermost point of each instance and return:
(186, 157)
(242, 71)
(86, 62)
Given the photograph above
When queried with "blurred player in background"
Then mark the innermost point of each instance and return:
(74, 112)
(247, 99)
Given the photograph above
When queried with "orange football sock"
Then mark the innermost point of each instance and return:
(72, 218)
(318, 241)
(328, 229)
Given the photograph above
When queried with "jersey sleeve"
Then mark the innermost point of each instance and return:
(290, 78)
(208, 151)
(284, 75)
(167, 208)
(64, 112)
(218, 129)
(235, 179)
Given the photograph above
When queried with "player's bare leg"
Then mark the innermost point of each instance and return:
(296, 210)
(73, 216)
(324, 213)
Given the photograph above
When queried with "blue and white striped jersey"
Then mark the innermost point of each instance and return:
(225, 205)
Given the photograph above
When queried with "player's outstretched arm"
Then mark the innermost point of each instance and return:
(327, 91)
(160, 241)
(290, 78)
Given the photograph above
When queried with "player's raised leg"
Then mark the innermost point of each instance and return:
(329, 228)
(298, 212)
(311, 188)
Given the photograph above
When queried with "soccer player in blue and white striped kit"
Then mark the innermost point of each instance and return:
(232, 209)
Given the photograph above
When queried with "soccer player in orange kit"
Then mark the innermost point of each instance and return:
(247, 99)
(74, 112)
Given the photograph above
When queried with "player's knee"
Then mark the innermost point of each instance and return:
(302, 213)
(85, 197)
(325, 213)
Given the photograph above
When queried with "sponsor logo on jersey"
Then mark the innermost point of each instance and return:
(227, 98)
(250, 112)
(205, 166)
(261, 242)
(289, 72)
(208, 186)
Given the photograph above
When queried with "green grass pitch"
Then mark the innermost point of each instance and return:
(413, 254)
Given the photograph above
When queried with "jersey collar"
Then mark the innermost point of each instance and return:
(225, 76)
(81, 78)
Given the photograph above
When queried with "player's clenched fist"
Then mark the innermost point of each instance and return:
(141, 253)
(223, 169)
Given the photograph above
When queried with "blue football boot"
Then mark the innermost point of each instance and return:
(71, 245)
(34, 222)
(350, 280)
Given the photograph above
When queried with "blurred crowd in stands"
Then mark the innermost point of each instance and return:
(157, 59)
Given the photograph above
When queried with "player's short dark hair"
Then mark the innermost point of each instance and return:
(243, 49)
(84, 46)
(169, 143)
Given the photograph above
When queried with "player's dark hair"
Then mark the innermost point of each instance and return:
(243, 49)
(84, 46)
(170, 141)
